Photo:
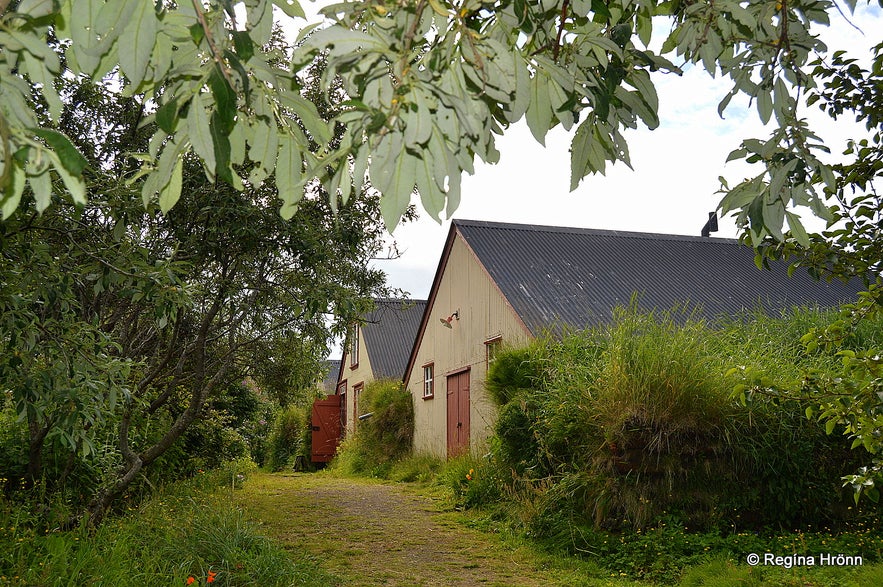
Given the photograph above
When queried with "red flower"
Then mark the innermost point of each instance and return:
(211, 577)
(190, 580)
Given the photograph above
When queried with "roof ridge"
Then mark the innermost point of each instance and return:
(395, 300)
(594, 231)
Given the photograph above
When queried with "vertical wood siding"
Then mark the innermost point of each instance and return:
(484, 315)
(363, 373)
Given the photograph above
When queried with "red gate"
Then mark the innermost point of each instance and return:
(326, 428)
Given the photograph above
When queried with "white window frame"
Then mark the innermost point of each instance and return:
(428, 380)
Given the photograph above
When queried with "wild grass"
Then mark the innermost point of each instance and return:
(186, 530)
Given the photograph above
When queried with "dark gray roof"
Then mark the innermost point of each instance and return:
(389, 332)
(329, 384)
(556, 276)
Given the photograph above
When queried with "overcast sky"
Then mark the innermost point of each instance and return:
(671, 189)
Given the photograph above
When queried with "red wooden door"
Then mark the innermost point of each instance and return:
(458, 413)
(326, 428)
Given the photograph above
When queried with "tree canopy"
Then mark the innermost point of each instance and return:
(123, 327)
(430, 84)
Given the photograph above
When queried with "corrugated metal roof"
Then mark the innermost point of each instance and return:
(557, 276)
(329, 383)
(389, 332)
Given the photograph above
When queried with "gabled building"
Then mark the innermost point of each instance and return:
(378, 348)
(507, 283)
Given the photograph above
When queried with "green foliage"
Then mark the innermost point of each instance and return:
(430, 85)
(168, 313)
(637, 421)
(416, 469)
(390, 429)
(474, 481)
(511, 371)
(383, 438)
(670, 553)
(289, 437)
(186, 530)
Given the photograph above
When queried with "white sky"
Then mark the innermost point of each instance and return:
(676, 167)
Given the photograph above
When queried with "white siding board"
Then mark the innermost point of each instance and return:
(466, 287)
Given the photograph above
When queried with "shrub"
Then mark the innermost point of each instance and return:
(511, 371)
(637, 422)
(289, 437)
(383, 438)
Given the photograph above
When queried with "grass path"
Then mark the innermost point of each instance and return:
(371, 533)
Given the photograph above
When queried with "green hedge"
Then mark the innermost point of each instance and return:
(383, 438)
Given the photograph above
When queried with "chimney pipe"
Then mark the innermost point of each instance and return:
(711, 225)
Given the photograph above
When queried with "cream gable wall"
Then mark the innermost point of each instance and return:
(362, 373)
(484, 315)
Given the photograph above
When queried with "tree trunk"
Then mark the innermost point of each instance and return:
(36, 438)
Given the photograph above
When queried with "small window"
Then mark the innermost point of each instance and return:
(354, 347)
(492, 349)
(428, 380)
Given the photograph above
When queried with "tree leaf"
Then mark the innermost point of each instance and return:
(259, 20)
(764, 105)
(39, 74)
(289, 175)
(200, 134)
(580, 149)
(171, 193)
(167, 116)
(797, 230)
(518, 106)
(264, 144)
(290, 7)
(80, 16)
(360, 165)
(225, 101)
(74, 183)
(221, 144)
(140, 37)
(13, 190)
(539, 111)
(393, 172)
(774, 217)
(431, 196)
(68, 155)
(41, 185)
(308, 114)
(418, 122)
(243, 45)
(829, 426)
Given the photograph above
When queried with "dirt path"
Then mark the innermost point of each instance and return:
(370, 533)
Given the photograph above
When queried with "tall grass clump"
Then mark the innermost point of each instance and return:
(637, 423)
(384, 434)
